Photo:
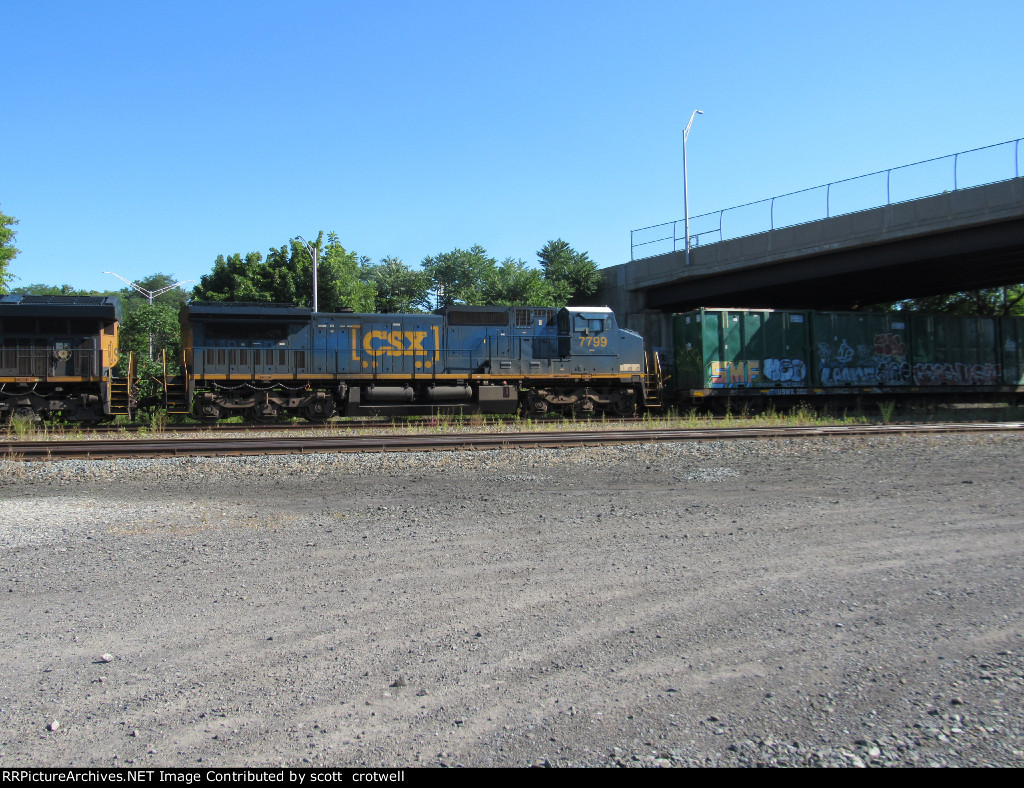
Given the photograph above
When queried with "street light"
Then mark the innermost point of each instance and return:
(312, 253)
(686, 188)
(150, 295)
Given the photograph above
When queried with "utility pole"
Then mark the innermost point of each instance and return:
(686, 187)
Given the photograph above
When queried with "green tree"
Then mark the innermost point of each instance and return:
(157, 323)
(458, 276)
(573, 276)
(340, 282)
(398, 288)
(286, 276)
(7, 250)
(234, 278)
(514, 284)
(149, 331)
(988, 302)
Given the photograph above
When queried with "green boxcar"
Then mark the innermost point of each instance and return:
(1011, 337)
(731, 349)
(858, 350)
(951, 350)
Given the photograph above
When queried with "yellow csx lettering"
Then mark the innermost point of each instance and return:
(395, 343)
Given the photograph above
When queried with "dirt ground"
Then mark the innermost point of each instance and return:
(849, 601)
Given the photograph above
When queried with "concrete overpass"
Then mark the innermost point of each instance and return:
(960, 240)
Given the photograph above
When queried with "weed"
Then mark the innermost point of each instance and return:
(20, 427)
(886, 409)
(12, 466)
(804, 415)
(156, 419)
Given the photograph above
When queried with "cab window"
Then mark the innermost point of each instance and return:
(591, 325)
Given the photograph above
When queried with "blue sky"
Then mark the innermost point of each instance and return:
(148, 137)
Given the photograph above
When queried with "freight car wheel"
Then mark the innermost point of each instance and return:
(722, 406)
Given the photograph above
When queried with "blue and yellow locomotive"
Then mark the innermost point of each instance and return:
(268, 360)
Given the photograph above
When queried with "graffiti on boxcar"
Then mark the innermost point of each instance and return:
(841, 354)
(892, 367)
(884, 362)
(891, 372)
(843, 365)
(733, 374)
(957, 374)
(888, 345)
(852, 376)
(785, 370)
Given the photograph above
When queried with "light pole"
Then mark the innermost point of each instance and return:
(312, 253)
(150, 295)
(686, 186)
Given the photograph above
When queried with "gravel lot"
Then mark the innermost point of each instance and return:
(839, 602)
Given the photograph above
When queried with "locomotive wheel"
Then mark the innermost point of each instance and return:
(623, 405)
(210, 412)
(584, 409)
(207, 409)
(263, 415)
(24, 413)
(318, 412)
(536, 405)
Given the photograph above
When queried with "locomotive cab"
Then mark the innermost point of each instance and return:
(58, 356)
(585, 332)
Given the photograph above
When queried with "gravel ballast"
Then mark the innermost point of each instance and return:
(836, 602)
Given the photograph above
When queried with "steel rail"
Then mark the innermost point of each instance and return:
(60, 432)
(249, 446)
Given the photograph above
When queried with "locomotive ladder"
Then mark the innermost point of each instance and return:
(175, 392)
(652, 362)
(120, 393)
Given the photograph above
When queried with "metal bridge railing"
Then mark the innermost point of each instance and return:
(990, 164)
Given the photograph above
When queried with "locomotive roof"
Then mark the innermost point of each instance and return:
(108, 307)
(246, 310)
(591, 310)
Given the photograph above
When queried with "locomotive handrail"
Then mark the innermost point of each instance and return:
(472, 359)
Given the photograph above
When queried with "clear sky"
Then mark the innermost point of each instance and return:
(143, 137)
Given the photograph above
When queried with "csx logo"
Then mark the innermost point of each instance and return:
(395, 343)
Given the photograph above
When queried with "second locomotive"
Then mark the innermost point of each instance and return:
(263, 361)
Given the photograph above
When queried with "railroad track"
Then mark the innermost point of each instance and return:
(296, 426)
(36, 450)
